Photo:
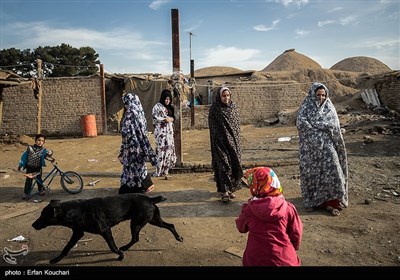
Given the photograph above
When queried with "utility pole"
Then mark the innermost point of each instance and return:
(190, 45)
(40, 93)
(176, 67)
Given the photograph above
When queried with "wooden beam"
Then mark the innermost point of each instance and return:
(103, 99)
(39, 102)
(192, 95)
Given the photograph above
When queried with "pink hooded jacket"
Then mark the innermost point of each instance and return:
(275, 232)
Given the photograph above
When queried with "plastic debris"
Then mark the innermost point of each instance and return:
(284, 139)
(19, 238)
(93, 183)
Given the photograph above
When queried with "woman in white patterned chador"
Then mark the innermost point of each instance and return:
(322, 153)
(163, 118)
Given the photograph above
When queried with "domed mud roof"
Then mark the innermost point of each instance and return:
(291, 60)
(361, 64)
(216, 70)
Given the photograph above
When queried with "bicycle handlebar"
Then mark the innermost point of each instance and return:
(51, 159)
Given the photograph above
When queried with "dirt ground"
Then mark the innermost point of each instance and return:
(367, 233)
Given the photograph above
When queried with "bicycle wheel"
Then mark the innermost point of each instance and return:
(71, 182)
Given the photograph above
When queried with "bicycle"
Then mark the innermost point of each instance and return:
(70, 181)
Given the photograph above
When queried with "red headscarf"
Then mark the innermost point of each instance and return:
(263, 182)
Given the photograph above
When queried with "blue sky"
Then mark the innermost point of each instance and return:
(135, 36)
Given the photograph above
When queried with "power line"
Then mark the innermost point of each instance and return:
(47, 63)
(18, 65)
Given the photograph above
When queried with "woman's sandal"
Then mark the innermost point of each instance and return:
(309, 209)
(225, 197)
(231, 195)
(333, 211)
(150, 189)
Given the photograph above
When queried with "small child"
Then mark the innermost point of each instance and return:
(274, 226)
(32, 160)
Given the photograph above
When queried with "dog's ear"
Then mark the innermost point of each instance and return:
(72, 215)
(57, 211)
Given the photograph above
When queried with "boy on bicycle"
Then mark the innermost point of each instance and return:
(32, 160)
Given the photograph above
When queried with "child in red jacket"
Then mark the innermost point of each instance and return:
(274, 226)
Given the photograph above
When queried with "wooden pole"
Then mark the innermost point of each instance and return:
(192, 95)
(39, 103)
(176, 66)
(103, 99)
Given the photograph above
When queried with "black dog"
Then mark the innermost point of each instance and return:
(99, 215)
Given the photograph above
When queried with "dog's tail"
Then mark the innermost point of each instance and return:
(157, 199)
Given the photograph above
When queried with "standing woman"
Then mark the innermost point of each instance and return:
(163, 118)
(224, 125)
(322, 153)
(135, 149)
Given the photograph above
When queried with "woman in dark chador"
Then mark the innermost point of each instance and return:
(224, 125)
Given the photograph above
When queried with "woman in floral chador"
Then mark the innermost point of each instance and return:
(322, 153)
(135, 148)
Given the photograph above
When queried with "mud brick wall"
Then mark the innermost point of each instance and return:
(388, 89)
(64, 102)
(256, 101)
(19, 111)
(200, 117)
